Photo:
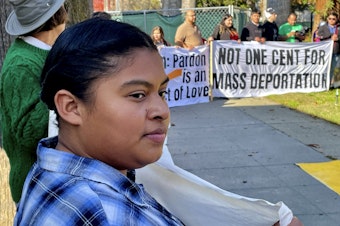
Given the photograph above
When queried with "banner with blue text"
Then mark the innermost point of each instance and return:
(188, 72)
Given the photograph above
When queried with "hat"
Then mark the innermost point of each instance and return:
(269, 12)
(322, 23)
(30, 14)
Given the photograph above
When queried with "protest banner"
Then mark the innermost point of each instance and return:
(251, 69)
(188, 72)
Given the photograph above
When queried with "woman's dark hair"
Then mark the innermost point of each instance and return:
(87, 52)
(60, 17)
(102, 14)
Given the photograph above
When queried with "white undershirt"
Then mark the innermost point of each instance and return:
(36, 42)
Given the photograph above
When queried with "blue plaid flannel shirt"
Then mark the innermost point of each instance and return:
(65, 189)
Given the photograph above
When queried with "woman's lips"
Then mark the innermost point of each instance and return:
(157, 136)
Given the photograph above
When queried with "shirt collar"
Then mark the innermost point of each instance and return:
(255, 24)
(64, 162)
(36, 42)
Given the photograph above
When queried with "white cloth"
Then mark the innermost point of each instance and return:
(52, 124)
(197, 202)
(36, 42)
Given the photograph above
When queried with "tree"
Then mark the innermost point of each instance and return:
(6, 39)
(78, 10)
(244, 4)
(320, 8)
(132, 5)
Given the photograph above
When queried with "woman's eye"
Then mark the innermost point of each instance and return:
(138, 95)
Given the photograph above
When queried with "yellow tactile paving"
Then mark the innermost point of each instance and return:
(326, 172)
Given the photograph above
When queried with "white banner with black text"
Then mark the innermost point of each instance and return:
(251, 69)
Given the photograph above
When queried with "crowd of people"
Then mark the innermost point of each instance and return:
(111, 119)
(188, 34)
(254, 30)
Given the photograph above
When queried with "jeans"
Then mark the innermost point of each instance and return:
(335, 69)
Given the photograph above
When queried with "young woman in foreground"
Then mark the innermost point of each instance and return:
(105, 81)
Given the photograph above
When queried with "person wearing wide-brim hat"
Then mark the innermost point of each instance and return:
(24, 118)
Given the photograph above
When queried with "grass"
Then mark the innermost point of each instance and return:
(321, 105)
(7, 206)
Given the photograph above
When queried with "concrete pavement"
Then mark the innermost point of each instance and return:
(250, 146)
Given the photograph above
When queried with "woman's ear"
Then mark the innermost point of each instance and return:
(68, 107)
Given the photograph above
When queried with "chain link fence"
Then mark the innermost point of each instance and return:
(170, 19)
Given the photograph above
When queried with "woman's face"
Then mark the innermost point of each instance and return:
(157, 35)
(127, 125)
(332, 20)
(228, 22)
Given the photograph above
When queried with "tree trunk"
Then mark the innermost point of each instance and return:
(78, 10)
(320, 7)
(6, 39)
(337, 6)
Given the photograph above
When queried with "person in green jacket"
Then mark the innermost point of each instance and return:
(24, 117)
(291, 31)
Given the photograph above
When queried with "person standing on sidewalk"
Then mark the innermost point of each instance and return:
(291, 31)
(225, 30)
(331, 31)
(271, 31)
(24, 118)
(188, 35)
(157, 36)
(253, 31)
(106, 83)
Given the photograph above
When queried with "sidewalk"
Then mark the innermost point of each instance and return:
(250, 146)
